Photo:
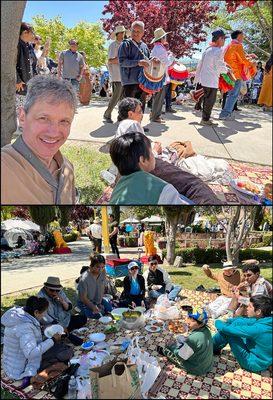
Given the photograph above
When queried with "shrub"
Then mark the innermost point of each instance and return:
(209, 256)
(267, 240)
(71, 237)
(131, 241)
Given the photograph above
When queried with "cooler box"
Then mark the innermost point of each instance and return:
(144, 259)
(117, 261)
(118, 271)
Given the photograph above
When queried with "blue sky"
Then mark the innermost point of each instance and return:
(72, 12)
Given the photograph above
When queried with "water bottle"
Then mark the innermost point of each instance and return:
(72, 388)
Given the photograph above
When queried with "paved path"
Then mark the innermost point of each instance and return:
(28, 272)
(247, 139)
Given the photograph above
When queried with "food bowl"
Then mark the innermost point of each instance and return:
(87, 345)
(117, 313)
(97, 337)
(105, 320)
(131, 316)
(52, 330)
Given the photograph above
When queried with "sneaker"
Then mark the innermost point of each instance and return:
(227, 118)
(108, 120)
(159, 120)
(146, 130)
(171, 110)
(207, 123)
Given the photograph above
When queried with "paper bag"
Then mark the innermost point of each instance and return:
(117, 382)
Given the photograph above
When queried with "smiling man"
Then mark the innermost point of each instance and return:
(33, 170)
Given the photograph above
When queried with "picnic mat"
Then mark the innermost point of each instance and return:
(226, 380)
(256, 174)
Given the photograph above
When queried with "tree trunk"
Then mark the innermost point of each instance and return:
(171, 228)
(11, 18)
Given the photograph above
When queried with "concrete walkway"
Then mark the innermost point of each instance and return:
(248, 139)
(28, 272)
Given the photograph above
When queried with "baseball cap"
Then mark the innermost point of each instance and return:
(199, 315)
(218, 33)
(133, 264)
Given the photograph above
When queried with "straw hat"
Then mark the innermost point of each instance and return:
(119, 29)
(97, 221)
(159, 33)
(53, 283)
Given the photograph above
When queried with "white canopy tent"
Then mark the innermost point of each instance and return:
(154, 219)
(130, 221)
(17, 223)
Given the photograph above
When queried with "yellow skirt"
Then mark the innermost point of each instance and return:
(265, 97)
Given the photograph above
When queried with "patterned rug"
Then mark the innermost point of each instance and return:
(226, 380)
(256, 174)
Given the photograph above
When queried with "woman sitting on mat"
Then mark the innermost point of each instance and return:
(134, 288)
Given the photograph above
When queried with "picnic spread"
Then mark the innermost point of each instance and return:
(225, 380)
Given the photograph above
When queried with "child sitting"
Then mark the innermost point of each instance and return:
(194, 353)
(132, 155)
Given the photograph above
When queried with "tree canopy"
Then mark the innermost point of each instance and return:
(89, 35)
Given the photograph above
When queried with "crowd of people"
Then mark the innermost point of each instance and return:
(247, 303)
(145, 172)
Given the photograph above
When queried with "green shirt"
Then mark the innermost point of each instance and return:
(138, 188)
(201, 361)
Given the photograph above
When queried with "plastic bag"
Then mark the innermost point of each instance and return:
(219, 306)
(164, 309)
(147, 366)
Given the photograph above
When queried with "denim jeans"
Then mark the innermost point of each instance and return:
(107, 307)
(168, 96)
(75, 83)
(176, 289)
(232, 97)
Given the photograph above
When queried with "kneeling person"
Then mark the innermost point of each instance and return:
(158, 281)
(194, 353)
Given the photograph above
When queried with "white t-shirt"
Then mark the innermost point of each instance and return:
(95, 230)
(114, 69)
(210, 67)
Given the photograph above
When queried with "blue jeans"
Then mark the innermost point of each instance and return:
(107, 307)
(176, 289)
(232, 97)
(75, 83)
(238, 348)
(168, 96)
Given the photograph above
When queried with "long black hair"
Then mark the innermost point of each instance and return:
(268, 64)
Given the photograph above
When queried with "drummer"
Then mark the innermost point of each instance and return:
(133, 54)
(166, 58)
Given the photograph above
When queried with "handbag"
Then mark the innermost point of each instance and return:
(59, 387)
(118, 381)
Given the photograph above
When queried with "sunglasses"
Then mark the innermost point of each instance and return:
(54, 290)
(133, 268)
(153, 263)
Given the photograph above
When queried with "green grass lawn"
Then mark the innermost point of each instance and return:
(88, 163)
(189, 277)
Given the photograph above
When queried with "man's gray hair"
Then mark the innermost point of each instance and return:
(43, 87)
(138, 23)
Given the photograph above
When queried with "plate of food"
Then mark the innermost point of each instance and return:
(247, 187)
(152, 328)
(112, 328)
(81, 331)
(97, 337)
(105, 320)
(177, 327)
(52, 330)
(87, 345)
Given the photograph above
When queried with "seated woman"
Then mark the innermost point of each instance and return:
(132, 155)
(134, 288)
(23, 343)
(194, 353)
(91, 289)
(250, 339)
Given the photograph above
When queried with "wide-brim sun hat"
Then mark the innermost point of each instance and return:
(53, 282)
(119, 29)
(159, 33)
(132, 264)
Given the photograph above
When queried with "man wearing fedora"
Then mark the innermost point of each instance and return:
(95, 234)
(161, 53)
(208, 71)
(227, 279)
(59, 309)
(114, 71)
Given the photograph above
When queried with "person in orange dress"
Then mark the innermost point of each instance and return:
(265, 97)
(86, 85)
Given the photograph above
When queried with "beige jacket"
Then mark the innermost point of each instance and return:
(26, 180)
